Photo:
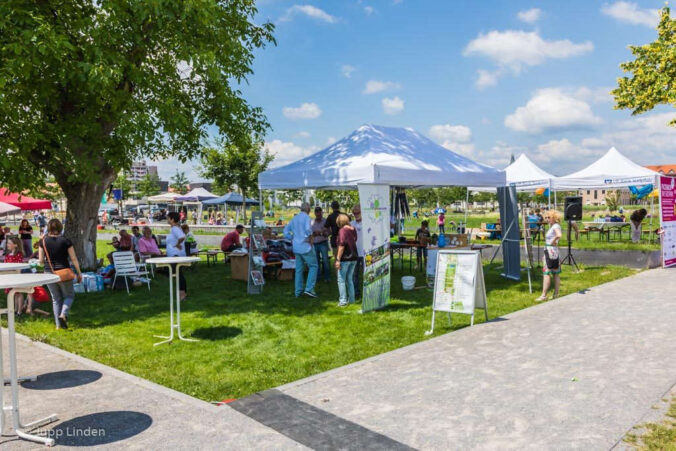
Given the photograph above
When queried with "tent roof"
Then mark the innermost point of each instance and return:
(613, 170)
(8, 208)
(230, 198)
(196, 195)
(164, 197)
(25, 202)
(383, 155)
(525, 175)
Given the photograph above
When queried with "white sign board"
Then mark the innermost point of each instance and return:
(459, 284)
(375, 213)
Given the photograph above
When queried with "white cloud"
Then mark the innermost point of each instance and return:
(530, 15)
(305, 111)
(562, 151)
(629, 12)
(286, 152)
(374, 86)
(393, 106)
(486, 79)
(302, 134)
(368, 10)
(346, 70)
(448, 132)
(593, 95)
(309, 11)
(515, 48)
(552, 109)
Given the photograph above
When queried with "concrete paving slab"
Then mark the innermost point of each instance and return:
(125, 411)
(574, 373)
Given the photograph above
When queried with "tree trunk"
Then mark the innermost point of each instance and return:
(83, 200)
(243, 205)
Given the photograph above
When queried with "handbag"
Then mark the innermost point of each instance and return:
(551, 257)
(65, 274)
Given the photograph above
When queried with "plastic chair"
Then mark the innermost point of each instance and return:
(125, 266)
(141, 263)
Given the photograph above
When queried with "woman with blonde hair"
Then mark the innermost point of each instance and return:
(552, 262)
(346, 259)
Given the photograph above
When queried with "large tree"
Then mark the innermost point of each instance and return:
(87, 87)
(236, 164)
(179, 182)
(653, 80)
(148, 186)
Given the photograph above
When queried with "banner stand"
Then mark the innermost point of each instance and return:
(668, 220)
(375, 212)
(459, 285)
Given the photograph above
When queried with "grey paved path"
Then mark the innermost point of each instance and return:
(132, 412)
(575, 373)
(509, 384)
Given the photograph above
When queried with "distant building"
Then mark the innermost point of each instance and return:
(664, 169)
(598, 196)
(140, 169)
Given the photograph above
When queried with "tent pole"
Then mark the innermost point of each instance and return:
(549, 195)
(466, 207)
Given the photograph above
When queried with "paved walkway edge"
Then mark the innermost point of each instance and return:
(121, 374)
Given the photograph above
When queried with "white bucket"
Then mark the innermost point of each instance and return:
(408, 282)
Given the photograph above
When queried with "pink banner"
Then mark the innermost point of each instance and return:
(668, 219)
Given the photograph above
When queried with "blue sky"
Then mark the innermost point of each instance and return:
(486, 79)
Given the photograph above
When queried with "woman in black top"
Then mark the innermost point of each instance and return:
(26, 234)
(55, 252)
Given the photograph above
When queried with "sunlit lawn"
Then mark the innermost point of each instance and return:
(251, 343)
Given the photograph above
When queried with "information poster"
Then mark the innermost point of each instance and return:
(668, 220)
(459, 284)
(375, 212)
(454, 288)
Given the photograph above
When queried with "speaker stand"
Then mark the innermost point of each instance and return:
(570, 260)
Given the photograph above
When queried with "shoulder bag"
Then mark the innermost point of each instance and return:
(65, 274)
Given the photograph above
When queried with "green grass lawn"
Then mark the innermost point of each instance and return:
(656, 436)
(252, 343)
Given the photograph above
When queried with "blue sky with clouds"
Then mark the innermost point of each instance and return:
(485, 79)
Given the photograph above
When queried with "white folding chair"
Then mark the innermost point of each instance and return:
(142, 265)
(125, 266)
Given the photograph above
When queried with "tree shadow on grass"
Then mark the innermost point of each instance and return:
(216, 333)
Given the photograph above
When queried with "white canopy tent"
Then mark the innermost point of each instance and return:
(524, 175)
(195, 195)
(613, 170)
(382, 155)
(164, 197)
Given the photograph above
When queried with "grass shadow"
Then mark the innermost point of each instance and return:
(216, 333)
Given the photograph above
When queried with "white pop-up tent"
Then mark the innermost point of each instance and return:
(524, 175)
(382, 155)
(613, 170)
(164, 197)
(196, 195)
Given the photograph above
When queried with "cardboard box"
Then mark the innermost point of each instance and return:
(240, 267)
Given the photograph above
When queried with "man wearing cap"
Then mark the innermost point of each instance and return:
(231, 241)
(332, 225)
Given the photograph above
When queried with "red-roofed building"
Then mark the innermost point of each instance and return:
(664, 169)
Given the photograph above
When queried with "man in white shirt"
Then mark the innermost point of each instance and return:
(359, 269)
(299, 231)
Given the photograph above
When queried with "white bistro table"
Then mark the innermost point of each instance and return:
(15, 268)
(20, 283)
(174, 295)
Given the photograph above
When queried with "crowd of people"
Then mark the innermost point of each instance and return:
(311, 239)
